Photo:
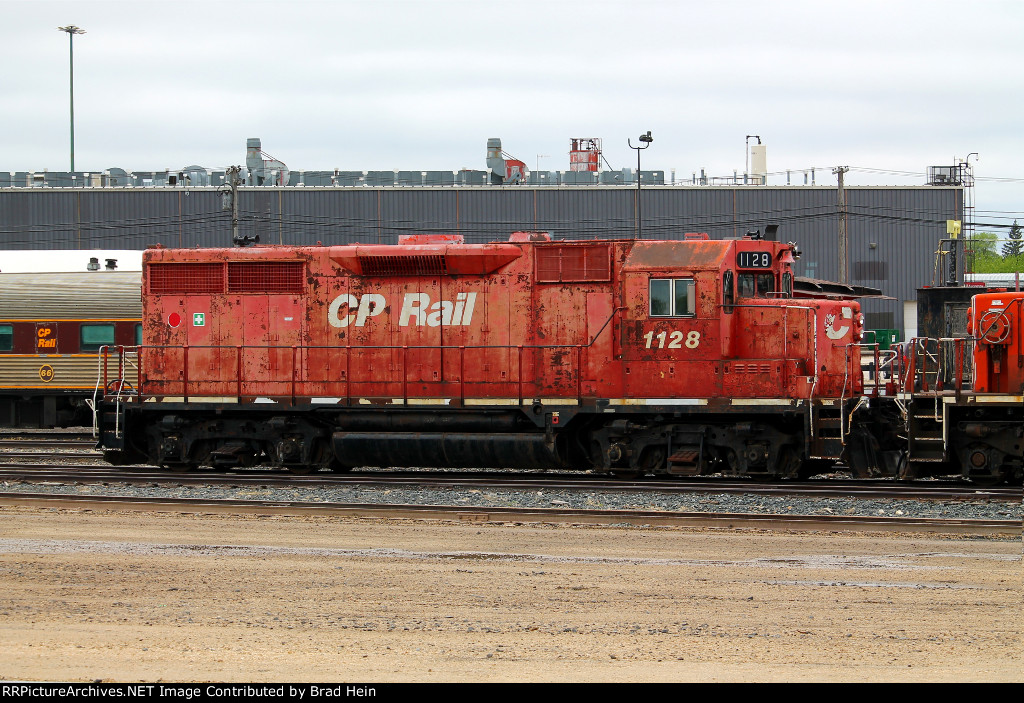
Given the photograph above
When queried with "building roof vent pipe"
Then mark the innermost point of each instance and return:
(264, 169)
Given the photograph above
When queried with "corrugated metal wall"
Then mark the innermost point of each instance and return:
(893, 232)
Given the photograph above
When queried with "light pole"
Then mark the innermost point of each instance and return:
(72, 30)
(646, 139)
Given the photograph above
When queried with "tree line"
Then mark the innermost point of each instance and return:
(991, 257)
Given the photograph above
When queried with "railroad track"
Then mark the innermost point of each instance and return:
(991, 528)
(485, 480)
(8, 434)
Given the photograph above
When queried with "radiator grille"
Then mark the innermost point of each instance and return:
(185, 278)
(558, 264)
(419, 265)
(266, 277)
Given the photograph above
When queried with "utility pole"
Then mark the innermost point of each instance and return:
(844, 259)
(229, 199)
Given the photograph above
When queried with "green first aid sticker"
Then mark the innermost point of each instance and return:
(199, 319)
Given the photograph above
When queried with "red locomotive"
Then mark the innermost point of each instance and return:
(965, 395)
(624, 356)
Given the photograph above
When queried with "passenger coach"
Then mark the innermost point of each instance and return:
(52, 326)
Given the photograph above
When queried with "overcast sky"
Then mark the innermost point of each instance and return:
(891, 86)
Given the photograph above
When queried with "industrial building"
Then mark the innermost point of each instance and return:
(892, 234)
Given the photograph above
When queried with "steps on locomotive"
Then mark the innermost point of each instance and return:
(827, 440)
(925, 438)
(111, 429)
(826, 426)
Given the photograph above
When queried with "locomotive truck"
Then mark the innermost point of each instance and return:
(626, 357)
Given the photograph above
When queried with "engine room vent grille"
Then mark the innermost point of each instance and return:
(562, 264)
(185, 278)
(266, 277)
(418, 265)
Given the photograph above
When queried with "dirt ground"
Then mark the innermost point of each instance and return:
(123, 596)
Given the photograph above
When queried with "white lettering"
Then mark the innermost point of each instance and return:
(332, 312)
(413, 305)
(441, 313)
(369, 305)
(417, 309)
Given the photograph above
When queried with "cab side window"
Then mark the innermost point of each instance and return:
(673, 297)
(6, 338)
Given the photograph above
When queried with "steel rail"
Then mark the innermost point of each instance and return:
(497, 481)
(60, 444)
(991, 528)
(491, 480)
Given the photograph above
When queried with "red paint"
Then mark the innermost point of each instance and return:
(531, 318)
(996, 320)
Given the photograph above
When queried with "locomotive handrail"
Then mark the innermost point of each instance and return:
(299, 384)
(919, 347)
(882, 360)
(296, 350)
(122, 388)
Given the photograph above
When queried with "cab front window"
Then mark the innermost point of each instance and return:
(757, 285)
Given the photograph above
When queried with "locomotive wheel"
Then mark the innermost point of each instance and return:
(337, 467)
(987, 480)
(626, 474)
(907, 470)
(653, 460)
(813, 467)
(181, 467)
(301, 469)
(789, 465)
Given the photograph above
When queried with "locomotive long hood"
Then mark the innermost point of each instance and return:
(456, 259)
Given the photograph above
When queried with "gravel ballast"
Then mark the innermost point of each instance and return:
(556, 498)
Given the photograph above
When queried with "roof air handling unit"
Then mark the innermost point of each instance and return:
(503, 167)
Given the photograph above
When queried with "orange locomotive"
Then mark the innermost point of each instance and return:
(625, 356)
(965, 395)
